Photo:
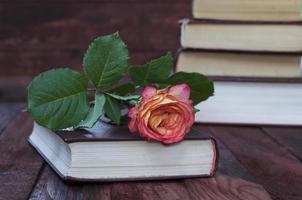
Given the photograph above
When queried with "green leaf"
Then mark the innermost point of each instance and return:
(105, 61)
(201, 87)
(162, 86)
(156, 71)
(124, 98)
(94, 113)
(112, 109)
(57, 98)
(123, 90)
(195, 110)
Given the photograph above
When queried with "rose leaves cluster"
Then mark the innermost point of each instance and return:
(60, 98)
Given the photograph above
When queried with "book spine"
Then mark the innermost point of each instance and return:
(301, 67)
(244, 22)
(215, 157)
(240, 51)
(178, 52)
(183, 23)
(255, 79)
(221, 50)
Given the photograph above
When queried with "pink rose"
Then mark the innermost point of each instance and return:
(163, 115)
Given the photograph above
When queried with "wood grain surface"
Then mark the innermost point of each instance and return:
(22, 168)
(7, 112)
(19, 163)
(225, 188)
(271, 164)
(289, 138)
(50, 185)
(38, 36)
(253, 160)
(239, 176)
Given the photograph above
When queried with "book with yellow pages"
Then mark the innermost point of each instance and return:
(247, 10)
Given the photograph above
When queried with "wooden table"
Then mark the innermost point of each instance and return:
(255, 163)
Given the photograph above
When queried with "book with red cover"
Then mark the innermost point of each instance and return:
(111, 153)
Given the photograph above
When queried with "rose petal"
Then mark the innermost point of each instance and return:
(181, 91)
(164, 115)
(148, 92)
(132, 125)
(132, 112)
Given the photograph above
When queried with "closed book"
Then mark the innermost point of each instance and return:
(253, 103)
(236, 36)
(255, 10)
(111, 153)
(240, 64)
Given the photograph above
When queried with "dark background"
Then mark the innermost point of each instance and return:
(39, 35)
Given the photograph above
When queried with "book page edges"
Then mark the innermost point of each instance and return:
(60, 162)
(244, 65)
(222, 109)
(214, 164)
(248, 10)
(187, 43)
(63, 173)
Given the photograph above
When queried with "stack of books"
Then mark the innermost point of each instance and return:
(252, 51)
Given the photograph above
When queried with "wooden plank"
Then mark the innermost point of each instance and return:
(50, 186)
(7, 112)
(19, 163)
(147, 26)
(225, 188)
(34, 62)
(49, 35)
(228, 164)
(150, 190)
(94, 1)
(14, 88)
(218, 187)
(289, 137)
(271, 164)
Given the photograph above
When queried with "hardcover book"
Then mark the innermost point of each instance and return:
(256, 10)
(240, 64)
(236, 36)
(256, 103)
(110, 153)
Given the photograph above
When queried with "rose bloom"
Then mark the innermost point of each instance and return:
(163, 115)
